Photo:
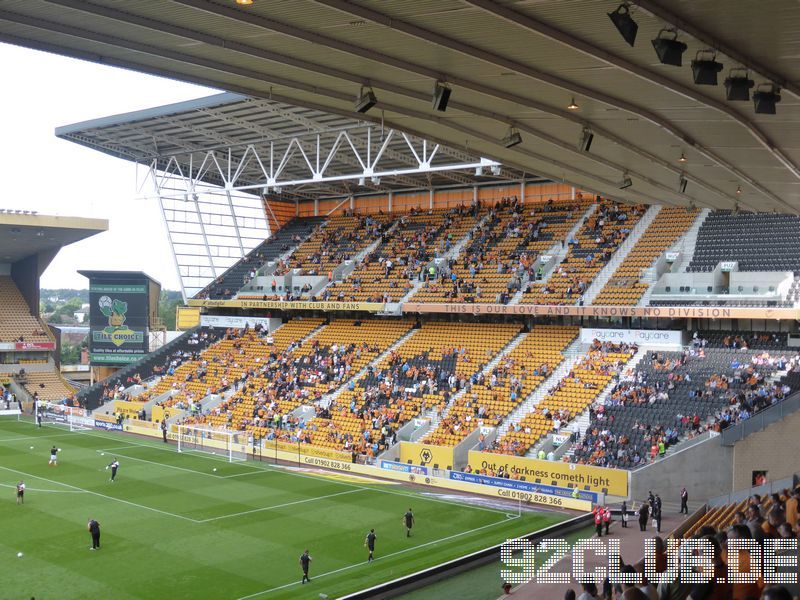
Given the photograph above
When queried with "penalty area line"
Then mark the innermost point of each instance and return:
(99, 495)
(353, 566)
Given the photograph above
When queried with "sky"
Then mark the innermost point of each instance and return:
(43, 91)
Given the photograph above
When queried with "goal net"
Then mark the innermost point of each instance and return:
(71, 417)
(232, 445)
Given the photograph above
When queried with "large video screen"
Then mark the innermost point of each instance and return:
(118, 321)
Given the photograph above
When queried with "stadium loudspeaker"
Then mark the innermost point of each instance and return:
(585, 141)
(765, 100)
(512, 139)
(626, 26)
(441, 95)
(682, 183)
(626, 182)
(669, 51)
(366, 101)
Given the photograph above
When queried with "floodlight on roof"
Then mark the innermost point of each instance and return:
(669, 51)
(765, 99)
(705, 70)
(622, 20)
(737, 86)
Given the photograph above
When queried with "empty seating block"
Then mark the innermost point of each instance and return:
(758, 241)
(15, 316)
(48, 386)
(625, 287)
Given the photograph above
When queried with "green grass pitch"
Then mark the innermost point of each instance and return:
(174, 528)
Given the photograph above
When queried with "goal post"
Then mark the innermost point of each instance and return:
(232, 445)
(72, 417)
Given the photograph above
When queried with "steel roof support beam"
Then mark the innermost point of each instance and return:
(575, 179)
(290, 30)
(403, 64)
(471, 51)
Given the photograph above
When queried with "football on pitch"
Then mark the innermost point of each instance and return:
(19, 554)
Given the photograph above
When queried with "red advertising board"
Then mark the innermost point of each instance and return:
(34, 346)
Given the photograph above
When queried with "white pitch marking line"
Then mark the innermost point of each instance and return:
(152, 462)
(416, 496)
(347, 568)
(255, 510)
(292, 471)
(36, 437)
(30, 489)
(80, 489)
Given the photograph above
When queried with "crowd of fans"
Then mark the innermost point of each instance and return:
(743, 389)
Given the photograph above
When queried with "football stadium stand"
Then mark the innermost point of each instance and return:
(241, 273)
(757, 241)
(405, 255)
(424, 374)
(588, 252)
(568, 398)
(626, 287)
(674, 395)
(509, 286)
(17, 324)
(503, 251)
(494, 395)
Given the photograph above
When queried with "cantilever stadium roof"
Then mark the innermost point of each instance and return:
(509, 63)
(187, 131)
(23, 235)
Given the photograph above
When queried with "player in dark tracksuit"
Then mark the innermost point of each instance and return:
(305, 562)
(94, 529)
(408, 518)
(370, 544)
(114, 466)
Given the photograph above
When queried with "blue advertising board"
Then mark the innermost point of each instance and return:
(398, 467)
(514, 484)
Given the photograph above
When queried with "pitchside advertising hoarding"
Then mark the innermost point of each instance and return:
(118, 322)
